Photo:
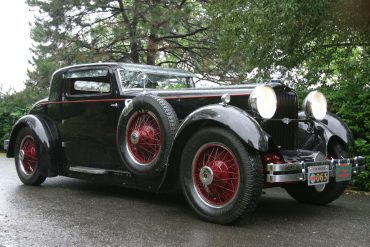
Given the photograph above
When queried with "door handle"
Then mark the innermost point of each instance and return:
(114, 105)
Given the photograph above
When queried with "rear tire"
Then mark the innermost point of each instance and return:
(220, 177)
(26, 158)
(332, 191)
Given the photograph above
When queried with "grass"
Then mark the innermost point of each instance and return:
(2, 154)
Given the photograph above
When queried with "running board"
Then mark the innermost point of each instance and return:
(97, 171)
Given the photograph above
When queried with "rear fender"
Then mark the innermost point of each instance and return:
(46, 135)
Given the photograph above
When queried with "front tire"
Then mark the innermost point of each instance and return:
(220, 177)
(26, 158)
(332, 190)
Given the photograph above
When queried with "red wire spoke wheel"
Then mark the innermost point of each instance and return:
(27, 160)
(27, 155)
(216, 174)
(143, 136)
(145, 133)
(220, 176)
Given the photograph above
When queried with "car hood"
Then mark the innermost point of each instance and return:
(233, 90)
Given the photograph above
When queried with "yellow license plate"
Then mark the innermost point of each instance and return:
(318, 175)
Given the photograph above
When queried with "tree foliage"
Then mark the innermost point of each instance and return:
(15, 105)
(140, 31)
(288, 37)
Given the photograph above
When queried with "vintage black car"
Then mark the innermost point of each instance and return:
(149, 128)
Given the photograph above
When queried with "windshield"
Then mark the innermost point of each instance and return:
(155, 80)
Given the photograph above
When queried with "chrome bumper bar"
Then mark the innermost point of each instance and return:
(295, 172)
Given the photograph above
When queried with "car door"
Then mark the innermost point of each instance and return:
(90, 114)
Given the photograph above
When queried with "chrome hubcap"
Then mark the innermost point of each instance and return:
(206, 175)
(135, 136)
(21, 155)
(320, 187)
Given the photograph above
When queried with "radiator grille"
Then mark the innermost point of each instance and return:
(284, 135)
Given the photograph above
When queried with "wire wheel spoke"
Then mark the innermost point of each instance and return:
(27, 155)
(216, 174)
(30, 156)
(144, 137)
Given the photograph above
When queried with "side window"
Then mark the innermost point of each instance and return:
(89, 87)
(88, 82)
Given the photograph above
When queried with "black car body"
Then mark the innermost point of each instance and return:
(82, 130)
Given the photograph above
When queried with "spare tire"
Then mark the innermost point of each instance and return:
(145, 131)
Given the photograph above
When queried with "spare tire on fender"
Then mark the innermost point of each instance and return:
(145, 131)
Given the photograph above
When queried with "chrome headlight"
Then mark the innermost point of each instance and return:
(263, 100)
(315, 105)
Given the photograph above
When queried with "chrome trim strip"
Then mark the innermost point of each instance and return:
(284, 167)
(284, 178)
(98, 171)
(88, 170)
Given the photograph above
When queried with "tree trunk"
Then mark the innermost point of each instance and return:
(134, 54)
(153, 43)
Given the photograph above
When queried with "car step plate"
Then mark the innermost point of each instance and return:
(318, 175)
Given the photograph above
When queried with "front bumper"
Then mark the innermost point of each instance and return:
(296, 172)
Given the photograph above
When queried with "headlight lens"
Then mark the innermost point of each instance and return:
(315, 105)
(263, 100)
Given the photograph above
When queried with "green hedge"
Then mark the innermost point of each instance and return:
(7, 120)
(15, 105)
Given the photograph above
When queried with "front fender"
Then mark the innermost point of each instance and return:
(46, 135)
(338, 128)
(233, 118)
(332, 128)
(230, 117)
